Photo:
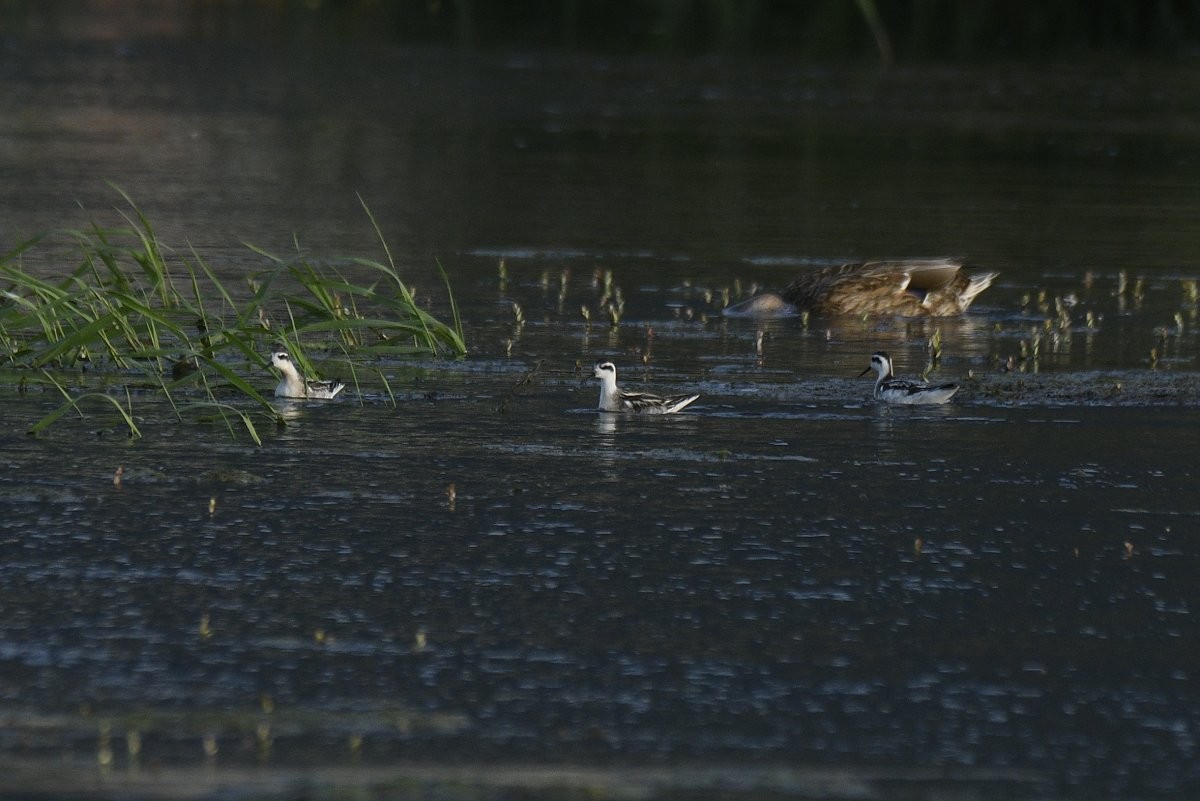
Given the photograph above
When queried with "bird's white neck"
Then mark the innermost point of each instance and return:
(884, 369)
(608, 391)
(292, 382)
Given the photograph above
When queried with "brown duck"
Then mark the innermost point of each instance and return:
(904, 288)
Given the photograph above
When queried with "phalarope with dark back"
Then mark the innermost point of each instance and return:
(615, 399)
(901, 390)
(294, 385)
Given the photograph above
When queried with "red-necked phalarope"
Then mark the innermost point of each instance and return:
(293, 385)
(907, 288)
(615, 399)
(899, 390)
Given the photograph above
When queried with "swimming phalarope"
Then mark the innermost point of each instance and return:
(615, 399)
(899, 390)
(908, 288)
(293, 385)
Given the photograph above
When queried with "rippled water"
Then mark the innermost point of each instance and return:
(790, 576)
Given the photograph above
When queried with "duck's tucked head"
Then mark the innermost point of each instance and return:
(605, 371)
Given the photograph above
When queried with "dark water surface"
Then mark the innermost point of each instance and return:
(789, 590)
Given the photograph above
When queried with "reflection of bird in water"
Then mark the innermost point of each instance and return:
(901, 390)
(606, 426)
(908, 288)
(293, 385)
(615, 399)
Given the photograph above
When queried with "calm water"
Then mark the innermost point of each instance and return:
(990, 599)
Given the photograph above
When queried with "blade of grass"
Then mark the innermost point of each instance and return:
(73, 404)
(150, 259)
(458, 329)
(224, 409)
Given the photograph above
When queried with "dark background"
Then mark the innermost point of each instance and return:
(819, 29)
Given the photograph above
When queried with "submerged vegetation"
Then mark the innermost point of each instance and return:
(132, 316)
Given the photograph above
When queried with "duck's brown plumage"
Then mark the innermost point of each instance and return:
(910, 288)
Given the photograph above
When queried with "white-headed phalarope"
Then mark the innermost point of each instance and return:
(294, 385)
(906, 288)
(615, 399)
(900, 390)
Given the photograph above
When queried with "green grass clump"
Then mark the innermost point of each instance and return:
(127, 315)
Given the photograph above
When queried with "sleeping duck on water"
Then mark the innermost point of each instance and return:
(904, 288)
